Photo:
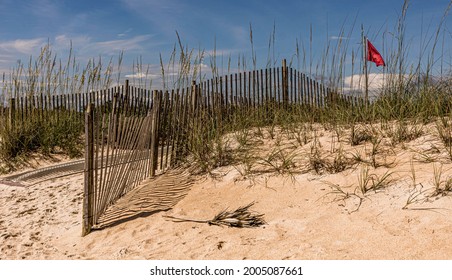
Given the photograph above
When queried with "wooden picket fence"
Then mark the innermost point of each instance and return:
(43, 106)
(281, 85)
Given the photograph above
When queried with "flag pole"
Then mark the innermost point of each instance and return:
(366, 81)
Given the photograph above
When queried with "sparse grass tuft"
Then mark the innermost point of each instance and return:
(444, 129)
(372, 182)
(343, 196)
(281, 161)
(359, 135)
(442, 187)
(404, 132)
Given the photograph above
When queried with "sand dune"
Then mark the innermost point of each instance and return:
(305, 218)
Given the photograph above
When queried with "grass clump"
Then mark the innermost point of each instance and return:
(359, 135)
(281, 161)
(329, 162)
(35, 135)
(372, 182)
(441, 187)
(403, 132)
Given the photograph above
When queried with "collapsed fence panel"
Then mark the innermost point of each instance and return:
(120, 152)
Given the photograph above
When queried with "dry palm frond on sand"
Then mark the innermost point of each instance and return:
(241, 217)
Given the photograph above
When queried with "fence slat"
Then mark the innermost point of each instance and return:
(89, 168)
(154, 131)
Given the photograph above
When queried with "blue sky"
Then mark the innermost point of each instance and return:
(147, 28)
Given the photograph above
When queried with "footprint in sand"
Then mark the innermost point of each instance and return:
(35, 236)
(31, 199)
(249, 241)
(20, 199)
(28, 244)
(26, 212)
(220, 244)
(122, 253)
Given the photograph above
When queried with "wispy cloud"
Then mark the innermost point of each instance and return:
(132, 44)
(85, 47)
(141, 75)
(63, 41)
(86, 44)
(339, 38)
(222, 52)
(125, 33)
(23, 46)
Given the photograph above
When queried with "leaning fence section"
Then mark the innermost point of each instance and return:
(120, 151)
(124, 146)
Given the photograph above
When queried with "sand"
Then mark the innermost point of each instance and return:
(305, 218)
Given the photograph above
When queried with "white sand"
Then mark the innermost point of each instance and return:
(305, 219)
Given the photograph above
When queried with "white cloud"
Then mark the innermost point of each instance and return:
(222, 52)
(142, 75)
(125, 33)
(339, 38)
(64, 41)
(83, 47)
(23, 46)
(376, 82)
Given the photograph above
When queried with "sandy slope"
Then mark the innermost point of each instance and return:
(305, 220)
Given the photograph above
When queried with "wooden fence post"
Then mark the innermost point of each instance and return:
(194, 96)
(127, 98)
(12, 113)
(285, 83)
(194, 106)
(126, 88)
(88, 197)
(156, 100)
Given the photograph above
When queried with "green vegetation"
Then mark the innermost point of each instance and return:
(44, 119)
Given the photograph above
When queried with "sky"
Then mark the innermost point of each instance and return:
(146, 29)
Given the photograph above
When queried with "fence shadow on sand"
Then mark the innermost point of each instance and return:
(159, 193)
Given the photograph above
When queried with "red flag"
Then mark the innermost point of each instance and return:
(373, 55)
